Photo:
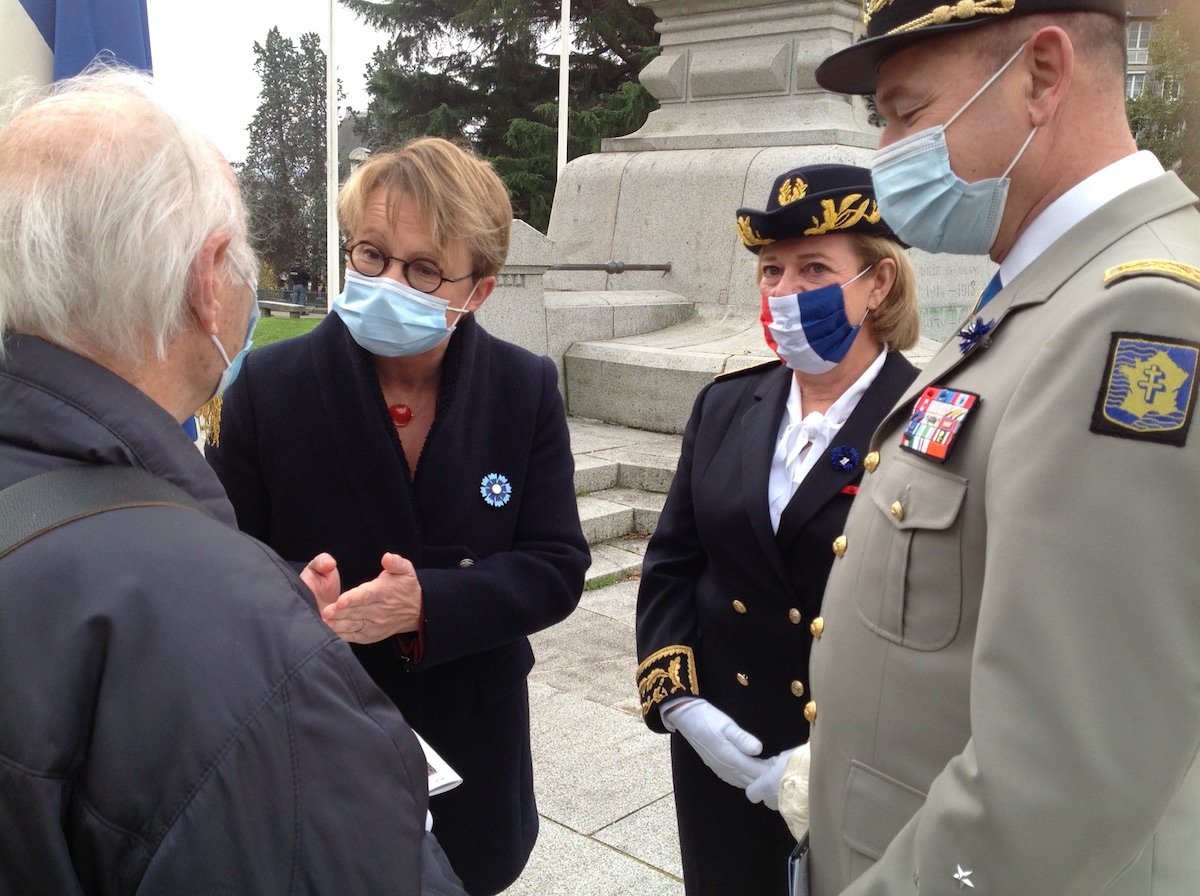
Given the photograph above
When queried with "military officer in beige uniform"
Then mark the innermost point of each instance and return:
(1006, 690)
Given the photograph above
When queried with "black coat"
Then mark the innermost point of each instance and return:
(311, 461)
(726, 604)
(174, 716)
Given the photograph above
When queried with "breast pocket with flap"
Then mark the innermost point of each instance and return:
(910, 589)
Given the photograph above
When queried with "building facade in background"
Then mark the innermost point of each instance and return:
(1141, 18)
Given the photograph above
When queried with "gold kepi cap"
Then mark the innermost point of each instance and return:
(893, 25)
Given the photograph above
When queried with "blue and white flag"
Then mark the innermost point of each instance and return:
(50, 39)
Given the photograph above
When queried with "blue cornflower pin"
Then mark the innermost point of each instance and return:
(495, 489)
(974, 332)
(843, 458)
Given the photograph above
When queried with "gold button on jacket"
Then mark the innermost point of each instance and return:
(739, 607)
(871, 461)
(743, 679)
(839, 546)
(797, 688)
(810, 711)
(794, 616)
(817, 626)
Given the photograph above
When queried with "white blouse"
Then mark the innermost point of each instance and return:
(803, 439)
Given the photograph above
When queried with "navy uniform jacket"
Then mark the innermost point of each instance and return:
(725, 603)
(311, 461)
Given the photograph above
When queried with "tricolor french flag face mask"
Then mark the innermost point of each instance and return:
(810, 330)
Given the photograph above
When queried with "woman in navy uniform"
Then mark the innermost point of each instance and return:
(429, 446)
(733, 576)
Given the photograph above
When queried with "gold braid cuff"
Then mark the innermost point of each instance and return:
(670, 672)
(943, 15)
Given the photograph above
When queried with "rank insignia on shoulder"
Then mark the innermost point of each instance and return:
(1154, 267)
(1149, 389)
(936, 422)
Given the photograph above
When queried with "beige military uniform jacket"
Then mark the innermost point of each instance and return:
(1006, 691)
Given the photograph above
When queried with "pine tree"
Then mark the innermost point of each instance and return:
(283, 177)
(486, 72)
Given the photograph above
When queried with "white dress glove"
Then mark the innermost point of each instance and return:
(765, 788)
(728, 749)
(793, 792)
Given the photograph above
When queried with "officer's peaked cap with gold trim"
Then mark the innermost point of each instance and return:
(893, 25)
(811, 201)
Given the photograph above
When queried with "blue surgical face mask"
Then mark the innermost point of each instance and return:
(810, 329)
(927, 204)
(391, 319)
(232, 368)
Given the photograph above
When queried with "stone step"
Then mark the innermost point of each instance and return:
(603, 519)
(646, 506)
(625, 469)
(649, 381)
(595, 474)
(616, 560)
(609, 456)
(615, 512)
(621, 476)
(548, 321)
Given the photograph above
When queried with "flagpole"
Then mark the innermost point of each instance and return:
(564, 72)
(331, 171)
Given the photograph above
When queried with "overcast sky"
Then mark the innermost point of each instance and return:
(204, 57)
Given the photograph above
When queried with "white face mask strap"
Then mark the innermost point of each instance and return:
(848, 282)
(466, 304)
(221, 349)
(1020, 152)
(986, 84)
(858, 275)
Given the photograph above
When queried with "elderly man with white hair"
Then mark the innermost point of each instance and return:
(174, 715)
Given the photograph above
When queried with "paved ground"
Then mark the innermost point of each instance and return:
(602, 778)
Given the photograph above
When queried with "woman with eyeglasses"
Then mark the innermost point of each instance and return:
(730, 597)
(425, 466)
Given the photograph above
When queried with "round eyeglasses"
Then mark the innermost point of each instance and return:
(420, 273)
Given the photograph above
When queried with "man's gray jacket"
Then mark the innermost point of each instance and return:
(174, 717)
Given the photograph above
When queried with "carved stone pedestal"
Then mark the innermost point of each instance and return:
(739, 105)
